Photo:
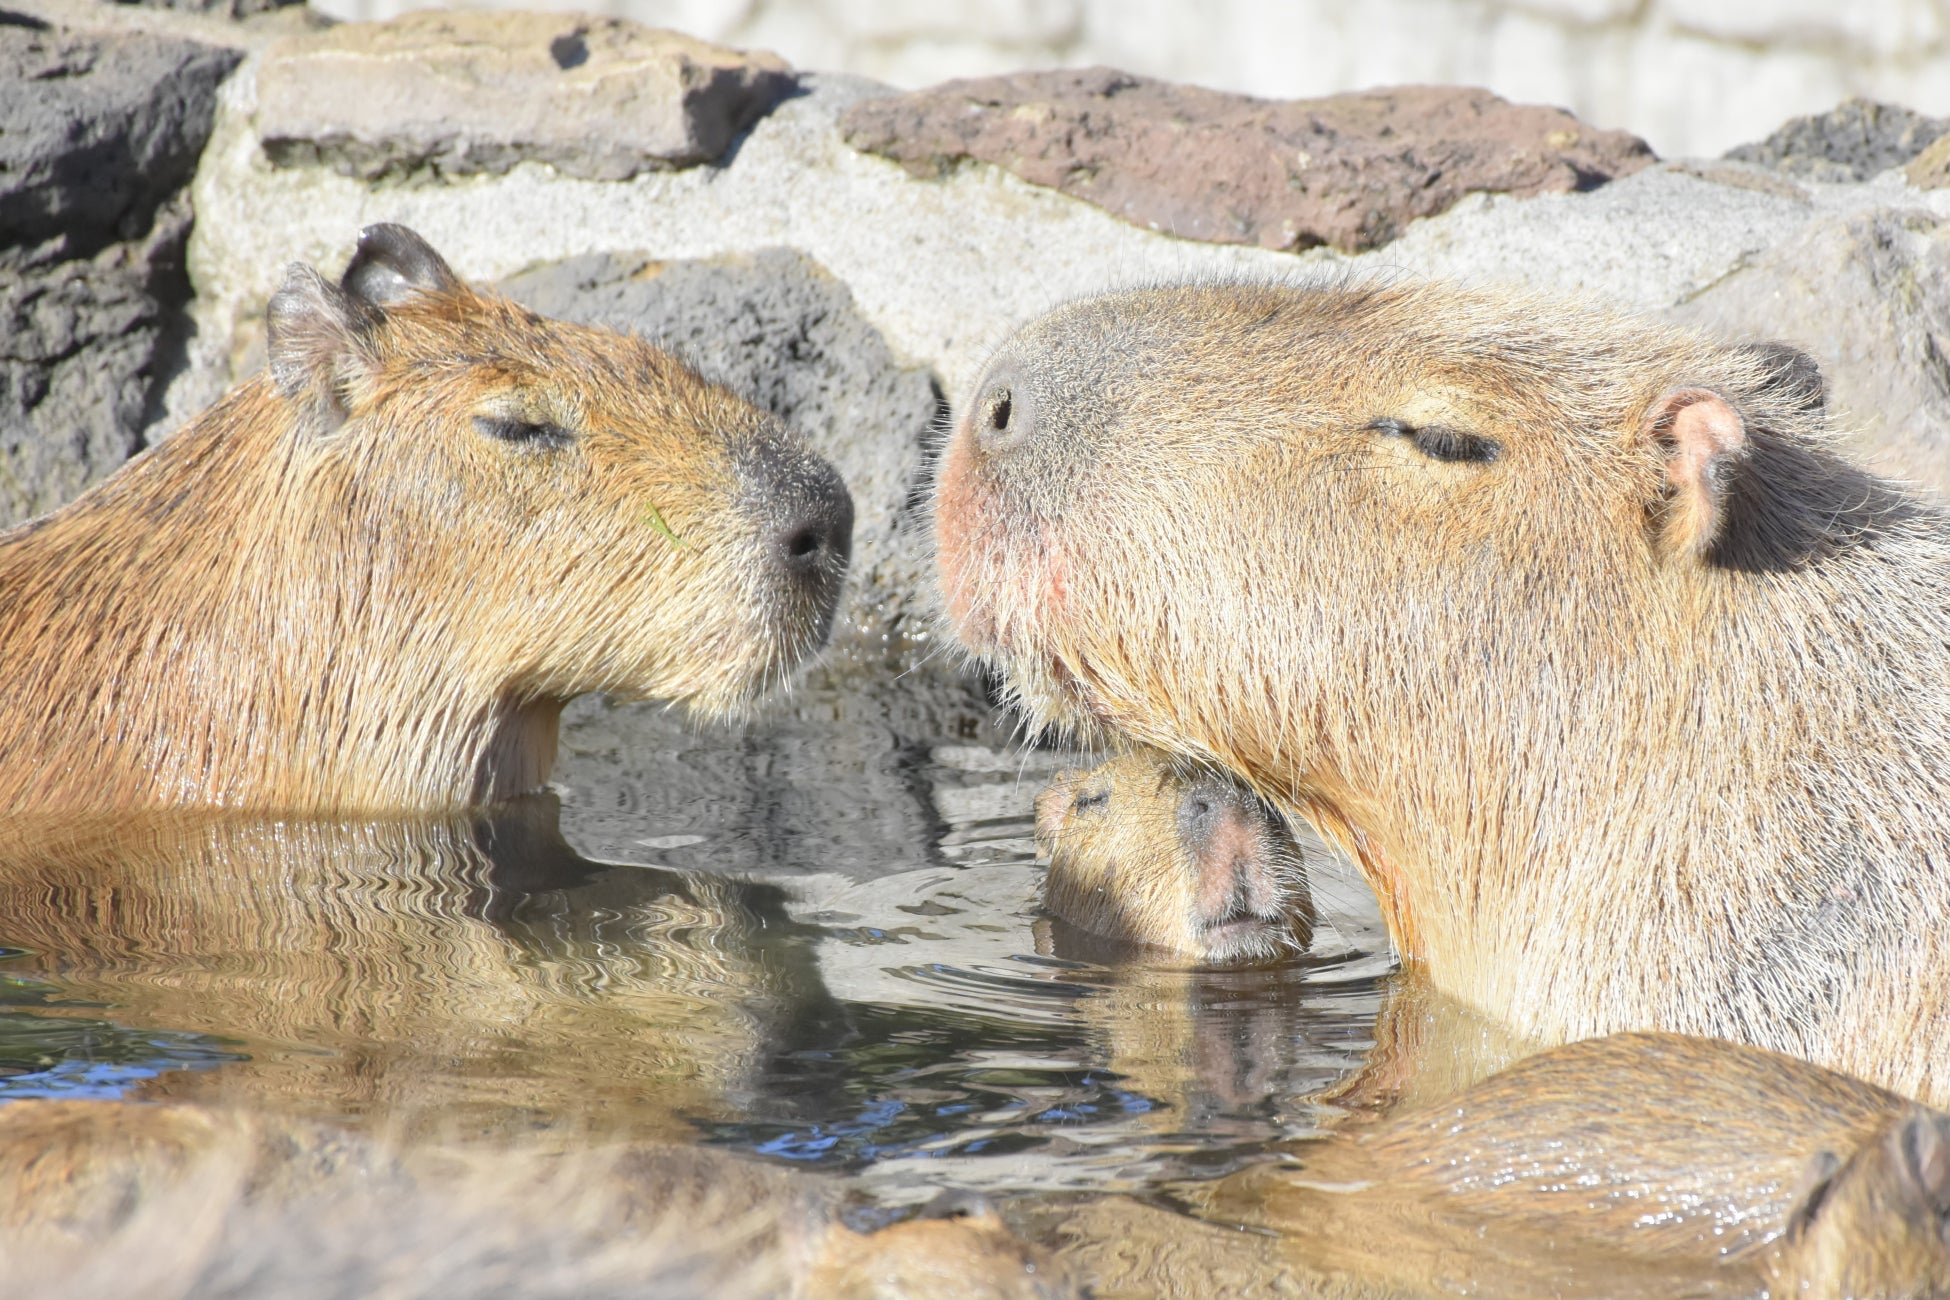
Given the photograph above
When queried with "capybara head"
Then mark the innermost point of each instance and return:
(1877, 1225)
(372, 577)
(1416, 561)
(1143, 851)
(608, 519)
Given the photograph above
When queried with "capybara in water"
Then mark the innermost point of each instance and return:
(473, 967)
(1190, 863)
(115, 1199)
(1640, 1164)
(1631, 698)
(370, 577)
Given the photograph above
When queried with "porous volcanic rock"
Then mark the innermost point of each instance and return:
(458, 92)
(779, 330)
(1868, 295)
(1853, 141)
(1349, 170)
(99, 136)
(216, 8)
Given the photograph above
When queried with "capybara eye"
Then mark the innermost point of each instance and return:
(1091, 799)
(1439, 442)
(997, 406)
(526, 433)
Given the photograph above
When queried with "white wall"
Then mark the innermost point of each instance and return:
(1691, 76)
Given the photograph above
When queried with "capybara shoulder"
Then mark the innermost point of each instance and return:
(370, 577)
(1629, 695)
(1145, 852)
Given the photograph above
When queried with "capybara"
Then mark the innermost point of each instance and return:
(473, 967)
(115, 1199)
(1639, 1164)
(1629, 695)
(370, 577)
(1190, 863)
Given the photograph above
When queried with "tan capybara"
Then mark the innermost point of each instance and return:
(1635, 1165)
(370, 577)
(471, 967)
(114, 1199)
(1191, 864)
(1629, 695)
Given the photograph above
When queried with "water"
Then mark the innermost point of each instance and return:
(820, 945)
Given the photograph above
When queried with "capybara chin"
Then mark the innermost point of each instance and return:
(1187, 863)
(370, 577)
(1630, 697)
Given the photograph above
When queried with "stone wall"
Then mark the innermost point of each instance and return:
(1694, 77)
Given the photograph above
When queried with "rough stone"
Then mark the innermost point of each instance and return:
(1868, 296)
(1347, 170)
(1930, 170)
(98, 138)
(457, 92)
(1853, 141)
(778, 329)
(217, 8)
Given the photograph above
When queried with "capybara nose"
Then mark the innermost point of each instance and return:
(805, 515)
(1004, 415)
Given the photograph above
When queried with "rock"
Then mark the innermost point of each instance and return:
(100, 137)
(778, 329)
(1853, 141)
(1930, 170)
(1348, 170)
(1868, 296)
(455, 92)
(217, 8)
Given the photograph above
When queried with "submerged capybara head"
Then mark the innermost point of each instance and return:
(372, 577)
(1145, 852)
(610, 521)
(1875, 1226)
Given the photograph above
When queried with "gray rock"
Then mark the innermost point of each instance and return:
(98, 138)
(1868, 296)
(1853, 141)
(217, 8)
(453, 93)
(778, 329)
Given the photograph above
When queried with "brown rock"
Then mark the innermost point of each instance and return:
(1930, 170)
(457, 92)
(1348, 170)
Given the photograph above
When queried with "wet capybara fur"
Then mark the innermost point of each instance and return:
(370, 577)
(1682, 1153)
(1189, 864)
(117, 1199)
(1628, 694)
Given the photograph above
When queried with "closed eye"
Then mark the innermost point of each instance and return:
(526, 433)
(1440, 442)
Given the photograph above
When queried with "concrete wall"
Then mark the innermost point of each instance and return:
(1693, 77)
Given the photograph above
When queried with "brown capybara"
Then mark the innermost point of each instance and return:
(1640, 1164)
(1189, 863)
(370, 577)
(114, 1199)
(473, 967)
(1630, 697)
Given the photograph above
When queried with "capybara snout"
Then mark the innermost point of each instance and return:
(1187, 862)
(372, 577)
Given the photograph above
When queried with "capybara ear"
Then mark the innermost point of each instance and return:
(1922, 1152)
(392, 264)
(318, 343)
(1817, 1180)
(1792, 373)
(1702, 437)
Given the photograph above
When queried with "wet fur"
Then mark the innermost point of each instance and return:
(1602, 777)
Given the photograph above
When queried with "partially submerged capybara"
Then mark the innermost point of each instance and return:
(472, 967)
(370, 577)
(1639, 1164)
(1630, 697)
(1190, 863)
(113, 1199)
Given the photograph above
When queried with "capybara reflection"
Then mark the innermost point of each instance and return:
(469, 967)
(1187, 862)
(113, 1199)
(371, 577)
(1631, 698)
(1640, 1164)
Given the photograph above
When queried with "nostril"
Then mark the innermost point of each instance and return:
(1002, 417)
(803, 543)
